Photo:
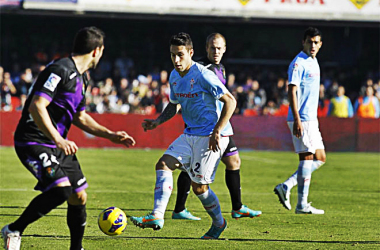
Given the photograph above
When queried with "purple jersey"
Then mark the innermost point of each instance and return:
(218, 69)
(64, 87)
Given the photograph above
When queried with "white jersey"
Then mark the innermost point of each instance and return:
(305, 74)
(198, 92)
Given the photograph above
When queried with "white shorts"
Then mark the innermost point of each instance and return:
(311, 139)
(198, 161)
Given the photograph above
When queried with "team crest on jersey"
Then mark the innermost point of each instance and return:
(295, 67)
(52, 82)
(359, 3)
(50, 171)
(174, 83)
(244, 2)
(191, 83)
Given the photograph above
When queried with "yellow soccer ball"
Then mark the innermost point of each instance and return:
(112, 221)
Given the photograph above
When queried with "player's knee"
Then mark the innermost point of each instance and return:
(79, 198)
(199, 189)
(161, 165)
(232, 162)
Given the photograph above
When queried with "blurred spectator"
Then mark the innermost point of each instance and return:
(270, 108)
(280, 91)
(241, 100)
(367, 106)
(332, 90)
(231, 85)
(260, 94)
(363, 89)
(7, 90)
(324, 102)
(340, 105)
(124, 64)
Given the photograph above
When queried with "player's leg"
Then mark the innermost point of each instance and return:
(162, 192)
(183, 190)
(76, 218)
(202, 169)
(232, 161)
(312, 142)
(43, 163)
(178, 150)
(301, 145)
(76, 204)
(212, 206)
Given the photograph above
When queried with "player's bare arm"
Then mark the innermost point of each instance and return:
(170, 111)
(227, 111)
(85, 122)
(297, 125)
(40, 115)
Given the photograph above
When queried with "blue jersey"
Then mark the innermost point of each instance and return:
(198, 93)
(304, 73)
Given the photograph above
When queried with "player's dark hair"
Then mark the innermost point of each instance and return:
(312, 32)
(182, 39)
(213, 36)
(88, 39)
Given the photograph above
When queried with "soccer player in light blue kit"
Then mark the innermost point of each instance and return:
(304, 81)
(206, 107)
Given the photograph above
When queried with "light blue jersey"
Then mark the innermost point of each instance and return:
(198, 93)
(304, 73)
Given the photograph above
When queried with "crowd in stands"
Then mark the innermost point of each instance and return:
(116, 88)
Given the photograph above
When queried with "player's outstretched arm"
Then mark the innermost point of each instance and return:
(85, 122)
(170, 111)
(227, 111)
(297, 125)
(40, 115)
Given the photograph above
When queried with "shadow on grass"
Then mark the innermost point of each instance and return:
(102, 238)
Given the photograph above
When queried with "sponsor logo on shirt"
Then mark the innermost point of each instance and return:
(186, 95)
(310, 75)
(52, 82)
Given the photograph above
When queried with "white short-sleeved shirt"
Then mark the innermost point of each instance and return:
(198, 92)
(305, 74)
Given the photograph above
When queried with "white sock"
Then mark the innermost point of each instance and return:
(303, 178)
(162, 192)
(292, 181)
(211, 204)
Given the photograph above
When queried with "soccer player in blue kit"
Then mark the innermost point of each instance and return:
(56, 101)
(206, 107)
(215, 48)
(304, 81)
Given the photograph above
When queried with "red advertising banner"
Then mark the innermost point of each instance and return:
(257, 133)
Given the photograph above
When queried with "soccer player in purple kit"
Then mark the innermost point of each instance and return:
(57, 100)
(216, 47)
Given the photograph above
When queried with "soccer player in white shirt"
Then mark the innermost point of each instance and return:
(304, 81)
(206, 106)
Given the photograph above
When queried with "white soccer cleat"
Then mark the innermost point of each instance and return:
(283, 195)
(308, 209)
(12, 239)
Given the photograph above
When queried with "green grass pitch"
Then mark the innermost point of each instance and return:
(346, 187)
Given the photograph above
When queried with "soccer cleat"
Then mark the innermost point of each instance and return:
(308, 209)
(281, 190)
(184, 215)
(12, 239)
(244, 211)
(214, 232)
(149, 221)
